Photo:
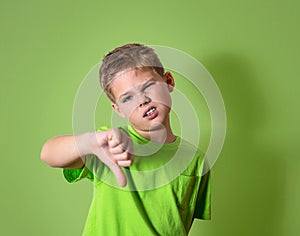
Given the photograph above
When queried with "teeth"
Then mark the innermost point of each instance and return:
(150, 111)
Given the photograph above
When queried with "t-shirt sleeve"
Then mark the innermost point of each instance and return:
(203, 205)
(74, 175)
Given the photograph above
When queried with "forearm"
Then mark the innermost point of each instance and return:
(66, 151)
(112, 147)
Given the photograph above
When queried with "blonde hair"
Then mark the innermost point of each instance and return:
(128, 56)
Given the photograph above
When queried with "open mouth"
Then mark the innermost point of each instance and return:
(149, 112)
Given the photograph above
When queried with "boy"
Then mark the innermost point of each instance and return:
(162, 187)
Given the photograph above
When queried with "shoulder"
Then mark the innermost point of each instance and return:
(198, 163)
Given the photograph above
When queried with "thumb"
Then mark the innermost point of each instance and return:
(113, 166)
(119, 174)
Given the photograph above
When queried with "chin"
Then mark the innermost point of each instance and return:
(156, 126)
(153, 126)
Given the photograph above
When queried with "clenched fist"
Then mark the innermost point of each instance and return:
(116, 151)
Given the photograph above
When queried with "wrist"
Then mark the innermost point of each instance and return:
(88, 142)
(82, 143)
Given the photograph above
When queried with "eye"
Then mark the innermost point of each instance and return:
(126, 99)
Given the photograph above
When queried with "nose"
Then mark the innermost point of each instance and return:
(144, 100)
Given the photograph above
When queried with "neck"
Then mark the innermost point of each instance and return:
(159, 133)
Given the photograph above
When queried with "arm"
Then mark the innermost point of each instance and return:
(112, 147)
(62, 151)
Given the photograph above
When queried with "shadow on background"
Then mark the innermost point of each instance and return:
(249, 177)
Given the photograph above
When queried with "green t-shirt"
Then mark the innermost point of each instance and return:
(165, 191)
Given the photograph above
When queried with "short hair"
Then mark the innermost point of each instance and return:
(128, 56)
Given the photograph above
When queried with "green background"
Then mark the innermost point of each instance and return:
(250, 47)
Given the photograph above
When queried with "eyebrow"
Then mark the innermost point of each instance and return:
(124, 94)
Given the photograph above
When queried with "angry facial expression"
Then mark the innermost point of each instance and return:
(143, 97)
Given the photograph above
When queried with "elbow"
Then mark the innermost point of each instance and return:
(46, 157)
(43, 154)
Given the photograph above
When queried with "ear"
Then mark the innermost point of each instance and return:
(169, 80)
(117, 110)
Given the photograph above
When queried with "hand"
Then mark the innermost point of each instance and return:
(116, 151)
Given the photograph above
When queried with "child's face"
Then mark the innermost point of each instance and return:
(143, 97)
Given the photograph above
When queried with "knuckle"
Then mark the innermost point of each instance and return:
(115, 142)
(125, 156)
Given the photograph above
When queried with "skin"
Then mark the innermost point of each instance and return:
(135, 92)
(113, 147)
